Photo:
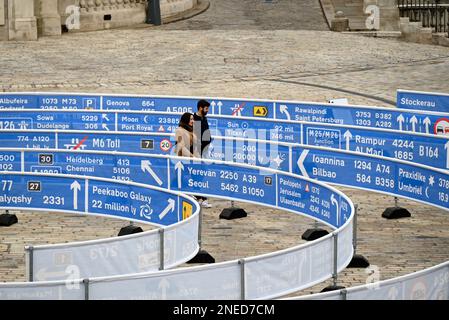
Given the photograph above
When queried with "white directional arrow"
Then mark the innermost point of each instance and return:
(413, 121)
(164, 285)
(75, 186)
(300, 163)
(348, 137)
(401, 120)
(446, 146)
(219, 104)
(180, 168)
(213, 104)
(427, 123)
(105, 117)
(335, 202)
(145, 165)
(284, 109)
(105, 126)
(169, 208)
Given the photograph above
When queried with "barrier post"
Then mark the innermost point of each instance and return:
(86, 289)
(202, 256)
(335, 272)
(242, 279)
(162, 250)
(357, 261)
(334, 285)
(396, 212)
(343, 294)
(29, 264)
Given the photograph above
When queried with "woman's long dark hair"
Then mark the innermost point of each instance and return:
(184, 121)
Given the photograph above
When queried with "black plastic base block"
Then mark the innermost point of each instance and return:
(233, 213)
(7, 219)
(313, 234)
(396, 213)
(202, 257)
(358, 261)
(129, 230)
(332, 288)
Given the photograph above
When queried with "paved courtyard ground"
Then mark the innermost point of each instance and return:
(279, 50)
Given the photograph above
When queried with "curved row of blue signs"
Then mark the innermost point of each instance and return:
(427, 149)
(429, 121)
(92, 196)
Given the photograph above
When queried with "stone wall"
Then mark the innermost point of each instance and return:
(26, 19)
(3, 29)
(106, 14)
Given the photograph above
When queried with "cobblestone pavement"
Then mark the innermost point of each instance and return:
(239, 58)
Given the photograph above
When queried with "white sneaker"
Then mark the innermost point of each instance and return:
(206, 204)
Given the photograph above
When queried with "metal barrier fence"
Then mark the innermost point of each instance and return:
(432, 14)
(258, 277)
(428, 284)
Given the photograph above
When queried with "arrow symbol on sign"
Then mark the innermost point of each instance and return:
(219, 104)
(335, 202)
(401, 120)
(170, 207)
(413, 121)
(213, 104)
(446, 146)
(179, 167)
(427, 123)
(75, 186)
(300, 163)
(284, 109)
(164, 285)
(105, 117)
(348, 137)
(104, 126)
(145, 165)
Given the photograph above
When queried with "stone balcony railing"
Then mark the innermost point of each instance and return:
(105, 5)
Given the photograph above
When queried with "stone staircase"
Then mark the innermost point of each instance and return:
(356, 12)
(413, 31)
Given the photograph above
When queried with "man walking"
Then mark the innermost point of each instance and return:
(201, 128)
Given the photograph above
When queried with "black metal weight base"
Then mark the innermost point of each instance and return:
(396, 213)
(7, 219)
(129, 230)
(202, 257)
(313, 234)
(332, 288)
(358, 261)
(233, 213)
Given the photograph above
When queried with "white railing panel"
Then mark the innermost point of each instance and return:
(216, 282)
(345, 246)
(120, 255)
(432, 285)
(277, 274)
(322, 259)
(181, 243)
(70, 290)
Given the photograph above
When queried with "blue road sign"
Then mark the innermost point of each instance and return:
(428, 101)
(423, 149)
(387, 118)
(57, 120)
(378, 174)
(87, 195)
(49, 101)
(128, 201)
(54, 193)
